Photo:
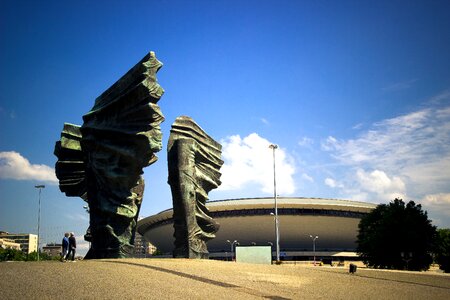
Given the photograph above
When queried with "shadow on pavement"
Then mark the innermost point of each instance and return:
(203, 279)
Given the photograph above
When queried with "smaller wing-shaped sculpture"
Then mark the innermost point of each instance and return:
(194, 161)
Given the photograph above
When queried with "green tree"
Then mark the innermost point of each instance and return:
(11, 254)
(18, 255)
(396, 236)
(442, 250)
(32, 256)
(42, 256)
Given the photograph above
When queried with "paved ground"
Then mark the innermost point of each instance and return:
(207, 279)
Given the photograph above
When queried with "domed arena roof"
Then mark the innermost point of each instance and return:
(250, 221)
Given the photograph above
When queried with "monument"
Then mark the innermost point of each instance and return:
(102, 160)
(194, 161)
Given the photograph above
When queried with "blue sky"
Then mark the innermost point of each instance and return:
(355, 93)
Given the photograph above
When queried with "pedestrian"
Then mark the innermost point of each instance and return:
(64, 246)
(72, 246)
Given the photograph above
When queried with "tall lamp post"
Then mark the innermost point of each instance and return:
(314, 246)
(39, 187)
(232, 243)
(277, 229)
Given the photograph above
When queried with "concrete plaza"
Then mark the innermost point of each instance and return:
(208, 279)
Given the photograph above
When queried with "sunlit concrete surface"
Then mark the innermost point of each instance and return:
(209, 279)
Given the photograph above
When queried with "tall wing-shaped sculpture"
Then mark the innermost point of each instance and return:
(119, 137)
(194, 161)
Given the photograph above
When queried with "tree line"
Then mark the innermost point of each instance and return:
(17, 255)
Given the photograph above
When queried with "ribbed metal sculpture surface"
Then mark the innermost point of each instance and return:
(71, 167)
(194, 161)
(119, 137)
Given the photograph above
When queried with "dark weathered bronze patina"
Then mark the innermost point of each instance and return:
(71, 167)
(194, 161)
(119, 137)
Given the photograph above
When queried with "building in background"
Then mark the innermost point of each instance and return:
(28, 242)
(52, 249)
(142, 248)
(251, 221)
(151, 248)
(9, 244)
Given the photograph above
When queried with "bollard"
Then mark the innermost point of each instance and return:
(352, 269)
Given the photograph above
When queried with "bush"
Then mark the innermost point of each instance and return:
(12, 255)
(17, 255)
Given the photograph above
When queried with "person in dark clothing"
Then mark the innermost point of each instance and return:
(72, 246)
(65, 246)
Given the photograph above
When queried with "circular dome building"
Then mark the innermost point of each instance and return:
(250, 221)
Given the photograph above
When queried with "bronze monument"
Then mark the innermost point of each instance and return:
(102, 161)
(194, 161)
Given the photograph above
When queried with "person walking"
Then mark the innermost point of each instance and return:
(72, 246)
(64, 246)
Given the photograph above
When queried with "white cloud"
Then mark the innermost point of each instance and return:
(408, 155)
(82, 244)
(399, 86)
(79, 217)
(250, 161)
(330, 182)
(442, 97)
(305, 142)
(329, 144)
(380, 184)
(438, 202)
(15, 166)
(264, 121)
(307, 177)
(374, 186)
(439, 206)
(389, 142)
(437, 199)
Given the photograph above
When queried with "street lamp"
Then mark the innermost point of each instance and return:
(314, 246)
(232, 245)
(277, 229)
(39, 187)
